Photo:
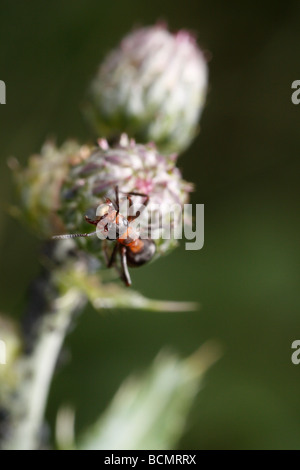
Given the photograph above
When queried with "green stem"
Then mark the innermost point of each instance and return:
(28, 409)
(39, 367)
(47, 322)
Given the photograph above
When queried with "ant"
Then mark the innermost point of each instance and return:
(133, 250)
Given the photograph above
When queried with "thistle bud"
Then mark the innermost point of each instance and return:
(152, 87)
(39, 184)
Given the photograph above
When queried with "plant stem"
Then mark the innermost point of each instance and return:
(46, 329)
(39, 368)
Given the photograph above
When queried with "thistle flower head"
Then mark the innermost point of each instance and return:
(132, 168)
(63, 185)
(153, 87)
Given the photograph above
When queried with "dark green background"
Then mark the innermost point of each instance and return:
(245, 164)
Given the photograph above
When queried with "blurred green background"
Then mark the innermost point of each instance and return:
(245, 164)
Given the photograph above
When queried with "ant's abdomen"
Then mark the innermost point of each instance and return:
(140, 254)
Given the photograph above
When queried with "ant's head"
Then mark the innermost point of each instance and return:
(105, 209)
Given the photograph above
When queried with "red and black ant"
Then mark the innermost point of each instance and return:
(111, 225)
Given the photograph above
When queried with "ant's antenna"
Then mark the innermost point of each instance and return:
(117, 196)
(74, 235)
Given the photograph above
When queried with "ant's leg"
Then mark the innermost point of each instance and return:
(105, 252)
(130, 200)
(125, 272)
(90, 221)
(111, 259)
(145, 203)
(146, 196)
